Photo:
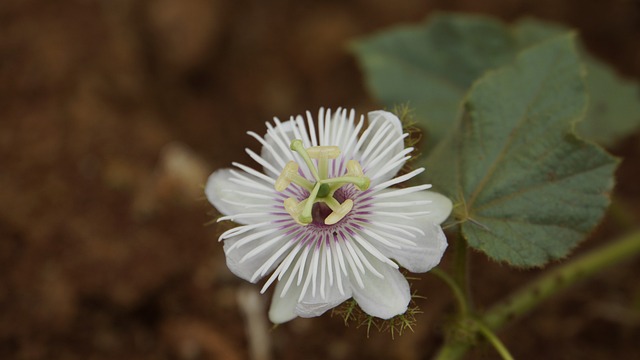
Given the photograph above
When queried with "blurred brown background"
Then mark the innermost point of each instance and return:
(112, 114)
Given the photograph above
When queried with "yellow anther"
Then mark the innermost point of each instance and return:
(363, 184)
(294, 208)
(354, 168)
(323, 152)
(290, 174)
(339, 212)
(287, 175)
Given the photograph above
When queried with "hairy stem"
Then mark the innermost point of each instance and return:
(455, 289)
(495, 341)
(552, 282)
(562, 277)
(461, 269)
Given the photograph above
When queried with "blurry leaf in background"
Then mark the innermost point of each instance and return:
(527, 189)
(614, 102)
(614, 106)
(432, 65)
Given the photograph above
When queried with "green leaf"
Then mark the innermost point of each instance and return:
(614, 104)
(527, 190)
(614, 107)
(529, 32)
(432, 65)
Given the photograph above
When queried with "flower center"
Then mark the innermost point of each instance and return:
(322, 191)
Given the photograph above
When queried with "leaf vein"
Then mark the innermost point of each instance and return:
(516, 129)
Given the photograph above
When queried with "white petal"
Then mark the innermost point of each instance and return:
(245, 260)
(437, 205)
(342, 132)
(315, 306)
(420, 242)
(307, 299)
(278, 140)
(383, 298)
(231, 198)
(317, 302)
(339, 128)
(283, 307)
(427, 252)
(382, 142)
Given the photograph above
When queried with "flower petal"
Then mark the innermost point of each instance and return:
(283, 308)
(400, 201)
(276, 143)
(312, 306)
(339, 129)
(424, 255)
(383, 298)
(329, 128)
(244, 261)
(276, 149)
(322, 293)
(381, 147)
(410, 221)
(231, 198)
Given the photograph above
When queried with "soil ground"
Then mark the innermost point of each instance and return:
(112, 114)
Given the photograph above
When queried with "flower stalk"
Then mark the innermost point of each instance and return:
(461, 269)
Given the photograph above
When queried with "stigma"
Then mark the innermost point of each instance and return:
(322, 190)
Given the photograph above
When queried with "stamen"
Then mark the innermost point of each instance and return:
(286, 175)
(339, 211)
(323, 154)
(362, 182)
(306, 217)
(354, 168)
(290, 174)
(323, 190)
(332, 203)
(295, 208)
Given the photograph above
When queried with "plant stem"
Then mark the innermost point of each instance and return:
(470, 326)
(458, 282)
(452, 350)
(457, 292)
(493, 339)
(550, 283)
(461, 270)
(623, 216)
(556, 280)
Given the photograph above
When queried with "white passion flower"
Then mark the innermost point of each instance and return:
(322, 218)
